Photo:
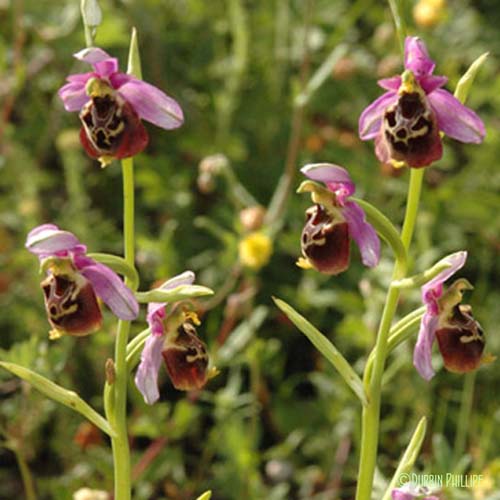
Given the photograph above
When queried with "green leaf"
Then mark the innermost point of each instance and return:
(465, 83)
(119, 265)
(409, 457)
(134, 348)
(59, 394)
(386, 230)
(134, 58)
(422, 278)
(205, 496)
(183, 292)
(326, 348)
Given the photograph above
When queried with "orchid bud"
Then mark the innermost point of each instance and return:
(251, 218)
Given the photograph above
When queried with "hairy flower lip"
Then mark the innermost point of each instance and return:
(61, 253)
(338, 182)
(452, 117)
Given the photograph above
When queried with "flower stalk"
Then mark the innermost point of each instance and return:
(116, 410)
(373, 378)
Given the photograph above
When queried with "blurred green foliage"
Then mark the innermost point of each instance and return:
(277, 423)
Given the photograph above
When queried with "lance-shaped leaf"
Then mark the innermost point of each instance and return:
(325, 347)
(134, 58)
(183, 292)
(400, 332)
(409, 457)
(422, 278)
(465, 83)
(205, 496)
(63, 396)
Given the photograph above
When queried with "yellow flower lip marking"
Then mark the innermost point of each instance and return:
(105, 160)
(303, 263)
(319, 194)
(55, 334)
(409, 84)
(57, 265)
(191, 316)
(454, 294)
(97, 87)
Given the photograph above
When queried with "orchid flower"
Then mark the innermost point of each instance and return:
(460, 337)
(333, 221)
(73, 283)
(111, 105)
(173, 338)
(407, 120)
(411, 491)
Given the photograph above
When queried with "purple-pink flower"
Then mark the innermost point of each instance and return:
(73, 281)
(412, 492)
(111, 105)
(460, 337)
(173, 338)
(333, 221)
(406, 121)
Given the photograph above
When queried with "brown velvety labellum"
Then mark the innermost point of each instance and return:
(186, 359)
(111, 127)
(325, 242)
(461, 341)
(410, 131)
(71, 306)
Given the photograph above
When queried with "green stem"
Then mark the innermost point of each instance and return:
(116, 394)
(26, 476)
(399, 21)
(464, 417)
(371, 412)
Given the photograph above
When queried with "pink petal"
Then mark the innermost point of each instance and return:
(430, 83)
(455, 119)
(456, 262)
(156, 310)
(103, 63)
(393, 83)
(109, 287)
(92, 55)
(73, 95)
(399, 494)
(422, 355)
(146, 378)
(417, 58)
(152, 105)
(119, 79)
(48, 239)
(336, 178)
(370, 120)
(80, 77)
(363, 233)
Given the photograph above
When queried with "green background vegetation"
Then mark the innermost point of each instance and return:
(277, 423)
